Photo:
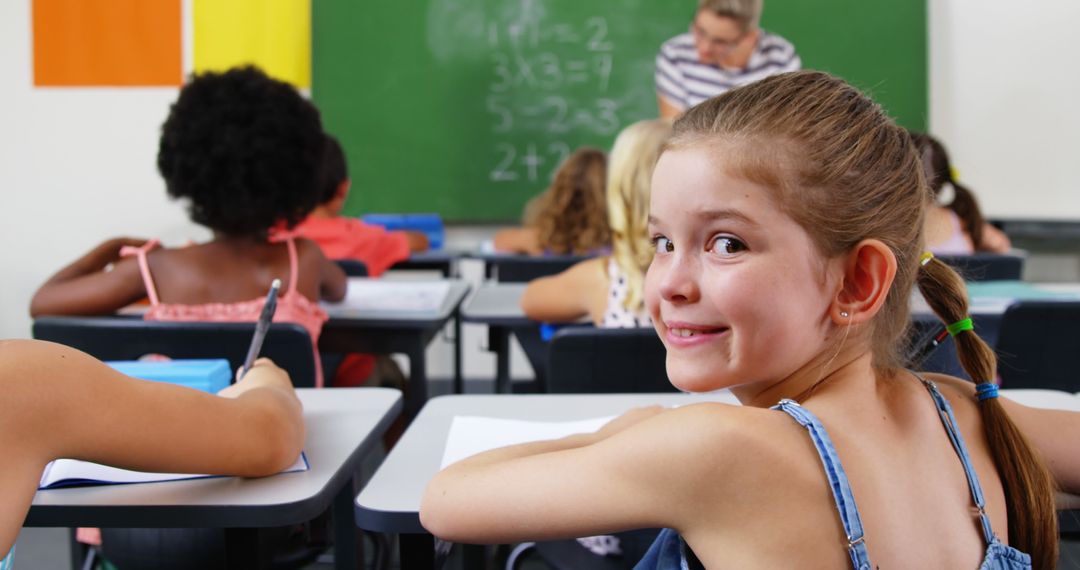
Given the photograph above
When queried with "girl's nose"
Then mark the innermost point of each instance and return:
(679, 280)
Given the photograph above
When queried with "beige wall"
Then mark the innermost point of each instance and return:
(1003, 92)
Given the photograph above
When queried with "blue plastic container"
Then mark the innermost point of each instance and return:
(208, 375)
(430, 225)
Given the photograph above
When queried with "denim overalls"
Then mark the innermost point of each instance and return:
(669, 552)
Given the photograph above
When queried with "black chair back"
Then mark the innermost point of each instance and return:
(352, 268)
(1039, 346)
(125, 338)
(986, 266)
(586, 360)
(523, 268)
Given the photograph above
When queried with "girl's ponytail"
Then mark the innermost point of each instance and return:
(1029, 489)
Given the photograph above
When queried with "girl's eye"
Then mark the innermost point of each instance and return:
(728, 245)
(662, 244)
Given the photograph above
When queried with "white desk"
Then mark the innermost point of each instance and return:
(390, 502)
(342, 425)
(386, 331)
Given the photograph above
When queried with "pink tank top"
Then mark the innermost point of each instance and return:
(292, 306)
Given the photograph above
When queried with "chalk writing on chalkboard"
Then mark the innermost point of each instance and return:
(547, 78)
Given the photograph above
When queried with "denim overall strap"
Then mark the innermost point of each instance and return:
(947, 418)
(8, 561)
(838, 481)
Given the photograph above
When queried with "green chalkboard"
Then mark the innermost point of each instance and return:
(465, 107)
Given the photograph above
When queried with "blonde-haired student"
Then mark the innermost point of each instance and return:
(54, 405)
(608, 289)
(787, 220)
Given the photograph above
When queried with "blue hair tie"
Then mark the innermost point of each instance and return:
(986, 390)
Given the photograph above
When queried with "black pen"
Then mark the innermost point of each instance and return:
(262, 326)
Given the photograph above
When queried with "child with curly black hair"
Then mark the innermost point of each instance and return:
(244, 151)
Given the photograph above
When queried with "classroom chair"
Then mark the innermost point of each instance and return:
(125, 338)
(525, 268)
(987, 266)
(1039, 346)
(512, 268)
(588, 360)
(352, 268)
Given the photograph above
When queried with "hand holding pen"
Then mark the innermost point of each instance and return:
(261, 327)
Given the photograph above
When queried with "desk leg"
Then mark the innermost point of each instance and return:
(417, 551)
(499, 342)
(347, 552)
(459, 382)
(418, 387)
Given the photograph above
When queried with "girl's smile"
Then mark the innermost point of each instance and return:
(686, 335)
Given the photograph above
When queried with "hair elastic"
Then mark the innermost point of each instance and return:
(925, 258)
(986, 390)
(961, 325)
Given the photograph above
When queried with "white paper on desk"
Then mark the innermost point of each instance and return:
(72, 473)
(377, 295)
(470, 435)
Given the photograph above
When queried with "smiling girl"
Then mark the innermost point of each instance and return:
(787, 220)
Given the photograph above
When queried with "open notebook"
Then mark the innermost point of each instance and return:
(73, 473)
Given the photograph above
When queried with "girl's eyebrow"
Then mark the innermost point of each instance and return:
(710, 215)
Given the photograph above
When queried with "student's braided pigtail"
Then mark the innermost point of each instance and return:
(1029, 489)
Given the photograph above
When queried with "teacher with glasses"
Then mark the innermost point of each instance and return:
(724, 49)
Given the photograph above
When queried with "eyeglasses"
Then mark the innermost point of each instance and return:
(718, 44)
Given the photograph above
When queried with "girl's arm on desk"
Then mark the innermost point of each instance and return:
(580, 291)
(333, 283)
(518, 240)
(639, 471)
(85, 287)
(1056, 436)
(59, 402)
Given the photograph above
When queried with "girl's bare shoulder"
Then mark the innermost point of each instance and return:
(735, 437)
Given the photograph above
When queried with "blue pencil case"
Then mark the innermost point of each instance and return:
(430, 225)
(209, 375)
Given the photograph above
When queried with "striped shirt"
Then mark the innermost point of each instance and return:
(685, 81)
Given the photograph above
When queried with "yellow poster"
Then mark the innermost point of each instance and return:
(274, 35)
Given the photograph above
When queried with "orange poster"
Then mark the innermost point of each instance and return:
(107, 42)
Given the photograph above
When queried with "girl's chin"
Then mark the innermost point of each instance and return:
(694, 379)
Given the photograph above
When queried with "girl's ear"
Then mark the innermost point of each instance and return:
(868, 275)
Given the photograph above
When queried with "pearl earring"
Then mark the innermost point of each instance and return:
(844, 314)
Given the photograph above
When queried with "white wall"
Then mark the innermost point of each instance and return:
(76, 166)
(1003, 98)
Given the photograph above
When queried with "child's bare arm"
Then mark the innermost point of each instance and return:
(59, 402)
(517, 240)
(85, 288)
(333, 282)
(1055, 435)
(567, 296)
(418, 241)
(616, 479)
